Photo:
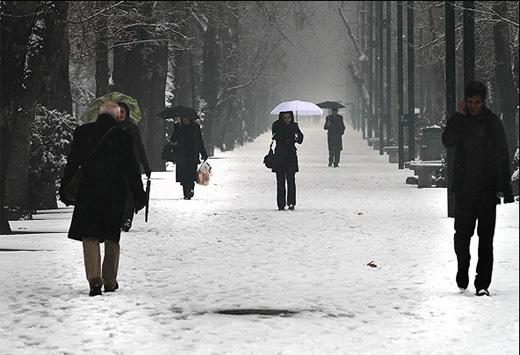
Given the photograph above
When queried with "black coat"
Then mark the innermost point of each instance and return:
(100, 202)
(286, 135)
(189, 146)
(481, 155)
(335, 129)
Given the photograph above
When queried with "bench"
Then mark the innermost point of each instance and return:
(374, 142)
(393, 153)
(425, 170)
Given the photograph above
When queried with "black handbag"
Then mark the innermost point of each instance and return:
(169, 152)
(270, 159)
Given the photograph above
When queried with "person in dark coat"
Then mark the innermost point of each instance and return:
(101, 199)
(126, 124)
(481, 176)
(286, 133)
(335, 129)
(190, 145)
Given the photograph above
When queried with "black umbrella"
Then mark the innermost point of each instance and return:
(148, 183)
(179, 111)
(330, 104)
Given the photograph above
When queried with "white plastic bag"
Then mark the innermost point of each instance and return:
(203, 173)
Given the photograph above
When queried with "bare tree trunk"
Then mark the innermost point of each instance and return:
(120, 71)
(16, 25)
(155, 124)
(133, 75)
(230, 122)
(102, 86)
(63, 94)
(182, 79)
(210, 85)
(506, 86)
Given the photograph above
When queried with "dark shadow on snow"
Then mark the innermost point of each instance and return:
(259, 312)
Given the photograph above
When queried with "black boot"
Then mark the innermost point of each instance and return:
(95, 290)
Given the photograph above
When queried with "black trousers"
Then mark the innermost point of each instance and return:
(187, 187)
(334, 155)
(467, 211)
(285, 196)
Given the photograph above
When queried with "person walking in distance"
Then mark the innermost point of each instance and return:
(481, 177)
(100, 202)
(335, 128)
(190, 146)
(286, 133)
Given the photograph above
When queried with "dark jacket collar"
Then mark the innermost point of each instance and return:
(106, 120)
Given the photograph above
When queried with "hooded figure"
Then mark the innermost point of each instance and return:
(126, 124)
(286, 133)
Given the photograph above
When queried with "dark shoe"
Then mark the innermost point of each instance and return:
(281, 208)
(95, 291)
(126, 226)
(112, 289)
(482, 292)
(336, 165)
(330, 164)
(291, 207)
(462, 280)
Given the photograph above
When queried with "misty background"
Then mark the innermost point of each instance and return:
(233, 61)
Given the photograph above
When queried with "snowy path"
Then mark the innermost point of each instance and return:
(230, 249)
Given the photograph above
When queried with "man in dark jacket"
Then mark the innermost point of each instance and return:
(100, 202)
(286, 133)
(481, 175)
(126, 124)
(335, 129)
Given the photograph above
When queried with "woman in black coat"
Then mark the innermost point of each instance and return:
(190, 145)
(126, 124)
(286, 133)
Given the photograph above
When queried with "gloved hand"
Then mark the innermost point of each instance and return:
(509, 198)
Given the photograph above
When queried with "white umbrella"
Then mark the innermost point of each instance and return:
(302, 108)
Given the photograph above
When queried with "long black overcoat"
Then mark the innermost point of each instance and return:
(286, 135)
(100, 202)
(335, 130)
(189, 146)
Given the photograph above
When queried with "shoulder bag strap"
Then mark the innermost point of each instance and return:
(99, 143)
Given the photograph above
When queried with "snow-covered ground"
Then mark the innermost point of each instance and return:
(303, 274)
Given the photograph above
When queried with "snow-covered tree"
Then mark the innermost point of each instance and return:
(51, 136)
